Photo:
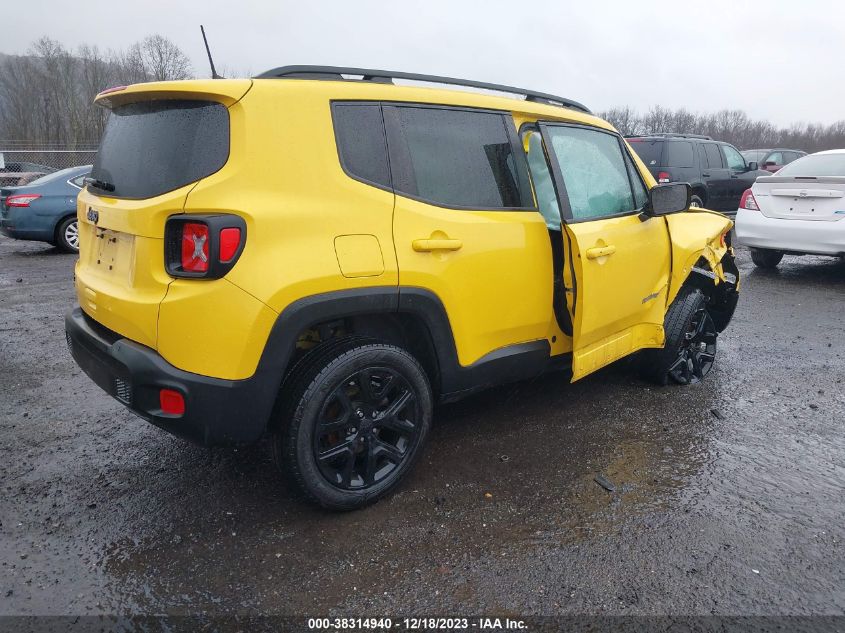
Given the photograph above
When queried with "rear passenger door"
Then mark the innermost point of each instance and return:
(619, 258)
(716, 177)
(465, 224)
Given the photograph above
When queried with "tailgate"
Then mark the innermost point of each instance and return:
(120, 275)
(160, 140)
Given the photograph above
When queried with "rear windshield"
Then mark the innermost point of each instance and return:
(648, 151)
(152, 147)
(816, 165)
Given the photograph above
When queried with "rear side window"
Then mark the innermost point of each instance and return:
(359, 132)
(152, 147)
(702, 157)
(456, 158)
(714, 156)
(679, 154)
(648, 151)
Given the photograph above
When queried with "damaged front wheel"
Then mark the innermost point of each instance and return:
(690, 349)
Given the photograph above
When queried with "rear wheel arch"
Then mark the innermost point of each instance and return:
(58, 223)
(58, 238)
(418, 325)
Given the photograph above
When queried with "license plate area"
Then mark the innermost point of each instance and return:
(113, 253)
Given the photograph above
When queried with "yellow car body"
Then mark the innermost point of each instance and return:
(469, 291)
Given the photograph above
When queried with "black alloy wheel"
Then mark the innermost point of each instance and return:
(367, 427)
(353, 416)
(697, 351)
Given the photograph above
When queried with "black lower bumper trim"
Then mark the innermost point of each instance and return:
(217, 411)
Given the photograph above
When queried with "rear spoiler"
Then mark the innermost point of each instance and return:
(226, 91)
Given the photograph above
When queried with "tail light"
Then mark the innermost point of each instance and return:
(663, 176)
(203, 246)
(748, 201)
(194, 247)
(22, 199)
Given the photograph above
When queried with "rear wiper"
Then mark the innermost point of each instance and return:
(99, 184)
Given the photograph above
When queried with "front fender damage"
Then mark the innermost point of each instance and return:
(703, 258)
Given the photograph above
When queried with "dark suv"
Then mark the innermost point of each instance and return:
(716, 171)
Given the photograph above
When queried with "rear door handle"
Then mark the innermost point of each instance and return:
(428, 245)
(600, 251)
(706, 175)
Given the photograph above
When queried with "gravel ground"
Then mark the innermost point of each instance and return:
(729, 495)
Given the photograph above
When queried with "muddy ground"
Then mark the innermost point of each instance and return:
(730, 495)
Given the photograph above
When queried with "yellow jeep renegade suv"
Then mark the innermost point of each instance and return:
(321, 255)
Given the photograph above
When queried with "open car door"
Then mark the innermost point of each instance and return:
(616, 259)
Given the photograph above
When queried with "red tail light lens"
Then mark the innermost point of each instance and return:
(172, 402)
(21, 200)
(230, 240)
(203, 246)
(748, 201)
(663, 176)
(194, 247)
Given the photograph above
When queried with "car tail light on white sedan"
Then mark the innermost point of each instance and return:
(748, 201)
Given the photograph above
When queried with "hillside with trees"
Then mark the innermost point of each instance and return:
(46, 96)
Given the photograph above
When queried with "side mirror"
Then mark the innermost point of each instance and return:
(669, 198)
(754, 166)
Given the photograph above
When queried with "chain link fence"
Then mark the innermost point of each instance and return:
(22, 162)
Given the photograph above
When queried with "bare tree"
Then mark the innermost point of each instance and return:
(47, 95)
(163, 60)
(733, 126)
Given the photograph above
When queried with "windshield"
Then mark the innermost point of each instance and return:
(62, 174)
(816, 165)
(151, 147)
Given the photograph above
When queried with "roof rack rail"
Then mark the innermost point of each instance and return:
(336, 73)
(671, 135)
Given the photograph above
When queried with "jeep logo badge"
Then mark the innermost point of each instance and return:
(93, 216)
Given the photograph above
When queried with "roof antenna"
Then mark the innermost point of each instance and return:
(214, 74)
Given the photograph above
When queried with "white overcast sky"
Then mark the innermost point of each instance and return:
(780, 60)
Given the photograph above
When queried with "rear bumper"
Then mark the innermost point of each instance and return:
(217, 412)
(813, 237)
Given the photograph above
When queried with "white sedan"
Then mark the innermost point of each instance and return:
(800, 210)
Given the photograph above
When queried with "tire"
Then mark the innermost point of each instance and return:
(67, 235)
(690, 349)
(696, 201)
(764, 258)
(354, 416)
